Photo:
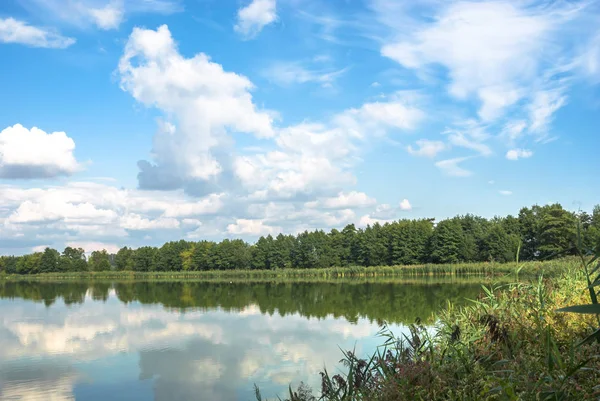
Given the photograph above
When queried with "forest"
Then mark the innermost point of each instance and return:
(537, 232)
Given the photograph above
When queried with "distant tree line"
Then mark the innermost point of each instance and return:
(541, 232)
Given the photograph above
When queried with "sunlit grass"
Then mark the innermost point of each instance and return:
(530, 269)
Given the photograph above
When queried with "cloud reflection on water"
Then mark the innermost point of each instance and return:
(187, 355)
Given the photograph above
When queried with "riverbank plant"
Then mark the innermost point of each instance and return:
(490, 269)
(511, 343)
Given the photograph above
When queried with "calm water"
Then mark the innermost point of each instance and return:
(193, 341)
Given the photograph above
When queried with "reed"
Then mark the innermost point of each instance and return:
(531, 269)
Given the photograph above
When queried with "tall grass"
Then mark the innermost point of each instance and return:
(478, 269)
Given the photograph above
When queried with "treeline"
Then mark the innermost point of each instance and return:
(541, 232)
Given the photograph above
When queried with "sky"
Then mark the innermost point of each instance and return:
(136, 122)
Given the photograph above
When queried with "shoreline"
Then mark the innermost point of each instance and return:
(484, 270)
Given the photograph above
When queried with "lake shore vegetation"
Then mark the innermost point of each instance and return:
(521, 341)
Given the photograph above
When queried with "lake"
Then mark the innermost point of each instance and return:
(191, 340)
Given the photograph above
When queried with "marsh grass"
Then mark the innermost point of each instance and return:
(530, 269)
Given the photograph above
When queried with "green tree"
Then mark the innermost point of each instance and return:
(498, 245)
(169, 258)
(73, 260)
(447, 242)
(529, 229)
(143, 259)
(29, 264)
(282, 248)
(124, 259)
(262, 253)
(557, 231)
(49, 261)
(201, 256)
(99, 261)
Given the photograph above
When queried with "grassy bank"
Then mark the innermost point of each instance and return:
(510, 344)
(480, 269)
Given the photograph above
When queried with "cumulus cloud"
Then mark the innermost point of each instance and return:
(516, 154)
(426, 148)
(312, 158)
(368, 220)
(15, 31)
(251, 227)
(134, 221)
(405, 205)
(505, 193)
(108, 17)
(33, 153)
(352, 199)
(205, 103)
(255, 16)
(97, 212)
(91, 246)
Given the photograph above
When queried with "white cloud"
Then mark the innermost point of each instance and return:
(34, 153)
(451, 167)
(15, 31)
(352, 199)
(104, 14)
(204, 101)
(515, 59)
(589, 60)
(287, 73)
(313, 158)
(405, 205)
(483, 57)
(516, 154)
(469, 134)
(495, 100)
(491, 182)
(108, 17)
(458, 139)
(255, 16)
(134, 221)
(51, 208)
(210, 204)
(505, 193)
(368, 220)
(544, 105)
(376, 117)
(85, 211)
(90, 246)
(251, 227)
(426, 148)
(514, 130)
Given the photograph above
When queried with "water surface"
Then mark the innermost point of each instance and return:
(192, 340)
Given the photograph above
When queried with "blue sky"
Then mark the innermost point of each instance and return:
(130, 122)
